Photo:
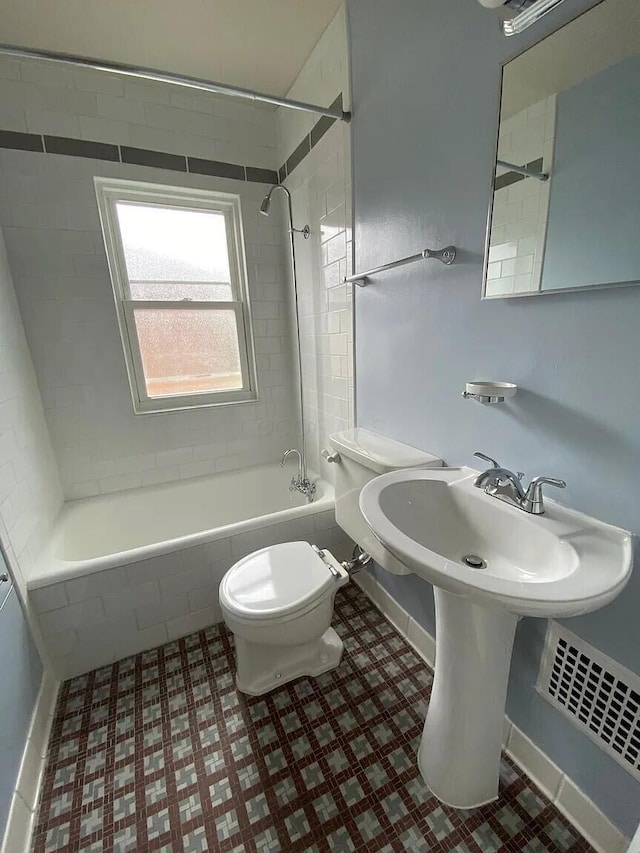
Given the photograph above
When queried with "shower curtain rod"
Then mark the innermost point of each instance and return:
(168, 77)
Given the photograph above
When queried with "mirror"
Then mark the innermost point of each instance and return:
(566, 201)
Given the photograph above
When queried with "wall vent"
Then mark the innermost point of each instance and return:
(598, 695)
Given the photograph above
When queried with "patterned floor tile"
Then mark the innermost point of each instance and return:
(159, 752)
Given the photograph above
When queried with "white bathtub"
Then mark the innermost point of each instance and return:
(125, 572)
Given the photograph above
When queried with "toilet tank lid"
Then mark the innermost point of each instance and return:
(379, 453)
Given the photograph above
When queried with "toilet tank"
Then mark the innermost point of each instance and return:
(363, 456)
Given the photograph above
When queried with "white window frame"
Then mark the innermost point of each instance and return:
(109, 191)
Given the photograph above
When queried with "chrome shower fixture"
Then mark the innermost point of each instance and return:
(265, 209)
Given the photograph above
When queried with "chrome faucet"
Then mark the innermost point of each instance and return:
(301, 483)
(503, 484)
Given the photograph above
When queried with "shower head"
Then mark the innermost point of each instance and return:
(266, 204)
(265, 208)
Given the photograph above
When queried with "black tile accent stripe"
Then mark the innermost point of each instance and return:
(216, 169)
(157, 159)
(506, 180)
(299, 154)
(81, 148)
(510, 178)
(136, 156)
(261, 176)
(21, 141)
(317, 132)
(320, 128)
(173, 162)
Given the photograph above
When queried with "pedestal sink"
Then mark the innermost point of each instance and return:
(490, 563)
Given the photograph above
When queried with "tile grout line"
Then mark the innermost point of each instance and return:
(360, 721)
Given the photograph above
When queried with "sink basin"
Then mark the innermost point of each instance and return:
(562, 563)
(490, 563)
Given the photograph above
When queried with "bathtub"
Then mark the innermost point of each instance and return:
(125, 572)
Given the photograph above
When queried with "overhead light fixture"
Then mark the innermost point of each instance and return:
(529, 16)
(524, 12)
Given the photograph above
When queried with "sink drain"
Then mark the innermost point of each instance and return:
(474, 562)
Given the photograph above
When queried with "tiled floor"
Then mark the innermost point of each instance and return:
(159, 752)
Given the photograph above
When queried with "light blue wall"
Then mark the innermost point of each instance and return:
(594, 203)
(426, 85)
(21, 674)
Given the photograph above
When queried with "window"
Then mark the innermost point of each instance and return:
(177, 268)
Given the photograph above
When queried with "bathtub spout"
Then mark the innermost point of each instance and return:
(301, 483)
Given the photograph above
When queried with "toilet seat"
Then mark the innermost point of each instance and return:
(279, 581)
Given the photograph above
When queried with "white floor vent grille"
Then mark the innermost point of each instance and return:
(599, 695)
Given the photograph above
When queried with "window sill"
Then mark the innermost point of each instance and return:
(165, 406)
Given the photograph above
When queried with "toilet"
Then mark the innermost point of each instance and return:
(278, 601)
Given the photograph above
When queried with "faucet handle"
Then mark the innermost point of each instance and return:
(533, 501)
(479, 455)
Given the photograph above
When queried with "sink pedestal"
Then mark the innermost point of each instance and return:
(459, 755)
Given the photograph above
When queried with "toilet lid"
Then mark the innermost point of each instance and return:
(276, 581)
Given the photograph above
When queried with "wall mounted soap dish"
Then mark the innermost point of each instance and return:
(489, 392)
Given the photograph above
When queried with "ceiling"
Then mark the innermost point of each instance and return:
(257, 44)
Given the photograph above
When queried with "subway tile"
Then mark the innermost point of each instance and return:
(52, 122)
(152, 569)
(156, 159)
(125, 599)
(298, 155)
(119, 483)
(120, 108)
(168, 609)
(197, 620)
(74, 616)
(198, 166)
(95, 585)
(320, 128)
(104, 130)
(49, 597)
(97, 81)
(136, 641)
(81, 148)
(13, 118)
(165, 117)
(262, 176)
(20, 141)
(108, 632)
(45, 74)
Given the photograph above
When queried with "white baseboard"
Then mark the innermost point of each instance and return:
(24, 804)
(574, 804)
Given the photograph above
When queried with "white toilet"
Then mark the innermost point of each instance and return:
(278, 601)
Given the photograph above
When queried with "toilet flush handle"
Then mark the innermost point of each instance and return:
(331, 457)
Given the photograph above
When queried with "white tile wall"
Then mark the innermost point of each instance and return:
(48, 209)
(84, 104)
(520, 211)
(321, 189)
(30, 491)
(99, 618)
